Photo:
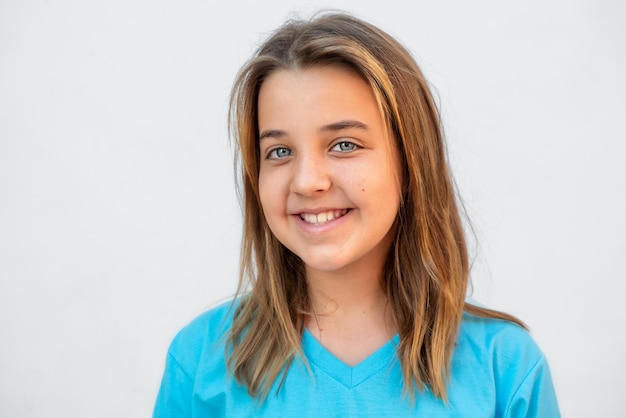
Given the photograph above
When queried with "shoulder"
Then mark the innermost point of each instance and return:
(196, 357)
(507, 349)
(504, 361)
(207, 332)
(497, 337)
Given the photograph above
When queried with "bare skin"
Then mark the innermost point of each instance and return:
(330, 189)
(352, 318)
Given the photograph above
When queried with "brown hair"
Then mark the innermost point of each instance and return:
(426, 274)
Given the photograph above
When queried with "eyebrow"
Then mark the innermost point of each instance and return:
(344, 124)
(272, 133)
(331, 127)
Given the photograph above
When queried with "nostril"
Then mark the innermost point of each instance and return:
(310, 178)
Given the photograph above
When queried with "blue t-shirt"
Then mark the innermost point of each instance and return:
(497, 370)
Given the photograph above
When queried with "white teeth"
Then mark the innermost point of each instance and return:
(323, 217)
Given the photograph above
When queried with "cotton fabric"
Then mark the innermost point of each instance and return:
(497, 370)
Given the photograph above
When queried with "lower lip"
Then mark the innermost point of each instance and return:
(309, 227)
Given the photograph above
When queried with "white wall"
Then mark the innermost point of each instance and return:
(118, 217)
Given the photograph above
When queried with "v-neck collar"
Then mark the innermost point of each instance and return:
(349, 376)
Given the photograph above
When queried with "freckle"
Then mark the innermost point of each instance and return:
(362, 190)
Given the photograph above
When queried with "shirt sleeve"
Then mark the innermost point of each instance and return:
(175, 393)
(535, 397)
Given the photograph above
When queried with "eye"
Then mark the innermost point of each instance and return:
(278, 153)
(344, 146)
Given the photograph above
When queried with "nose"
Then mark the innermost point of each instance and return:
(311, 175)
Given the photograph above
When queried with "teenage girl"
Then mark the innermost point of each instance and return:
(354, 265)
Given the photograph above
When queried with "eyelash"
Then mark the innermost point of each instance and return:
(273, 153)
(353, 146)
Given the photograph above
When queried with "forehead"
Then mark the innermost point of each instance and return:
(320, 94)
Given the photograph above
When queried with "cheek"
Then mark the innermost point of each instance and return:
(263, 193)
(270, 192)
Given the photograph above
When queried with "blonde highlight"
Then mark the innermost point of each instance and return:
(426, 274)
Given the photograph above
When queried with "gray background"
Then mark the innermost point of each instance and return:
(118, 216)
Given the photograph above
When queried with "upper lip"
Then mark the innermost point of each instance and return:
(317, 210)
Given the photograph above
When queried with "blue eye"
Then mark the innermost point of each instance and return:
(344, 146)
(278, 153)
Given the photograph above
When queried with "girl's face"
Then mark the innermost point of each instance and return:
(329, 175)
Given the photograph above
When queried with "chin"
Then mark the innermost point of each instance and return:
(324, 265)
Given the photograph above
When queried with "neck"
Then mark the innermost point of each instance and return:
(348, 303)
(351, 316)
(343, 290)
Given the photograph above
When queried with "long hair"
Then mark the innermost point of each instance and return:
(426, 272)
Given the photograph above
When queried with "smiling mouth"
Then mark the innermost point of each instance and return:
(323, 217)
